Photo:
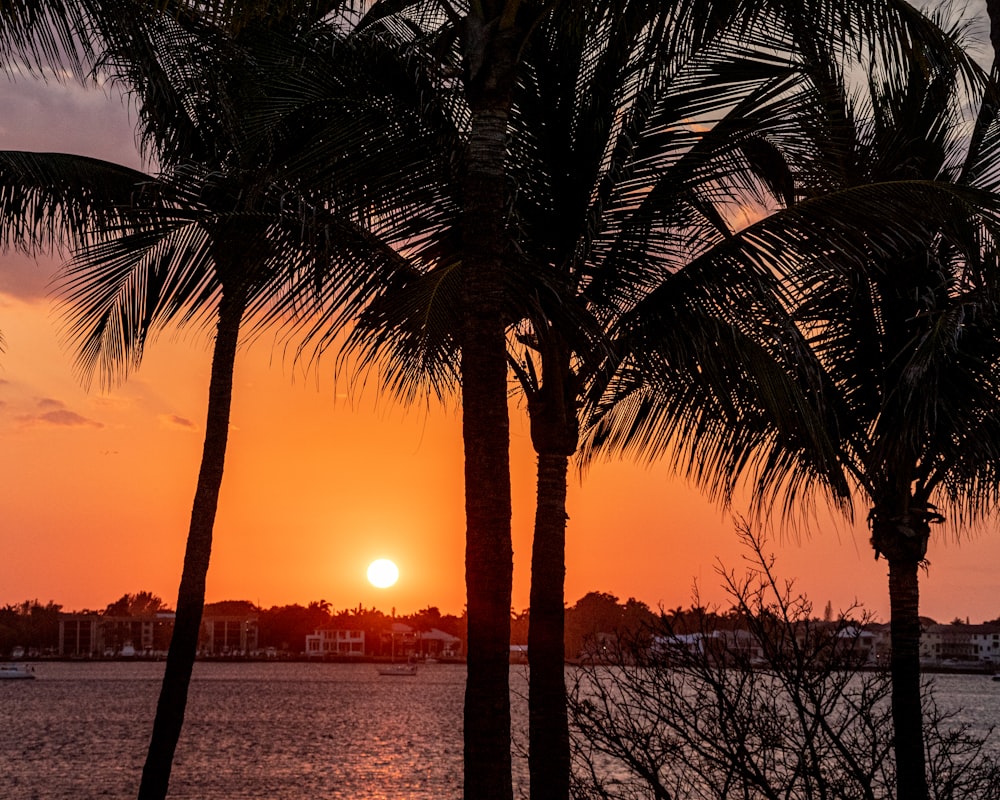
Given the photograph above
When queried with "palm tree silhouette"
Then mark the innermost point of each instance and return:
(878, 377)
(219, 234)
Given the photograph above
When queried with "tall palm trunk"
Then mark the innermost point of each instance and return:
(902, 537)
(191, 595)
(904, 667)
(488, 551)
(554, 435)
(489, 555)
(548, 726)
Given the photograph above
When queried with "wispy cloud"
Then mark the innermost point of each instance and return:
(69, 419)
(177, 421)
(54, 412)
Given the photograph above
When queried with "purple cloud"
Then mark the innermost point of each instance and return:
(177, 421)
(54, 412)
(69, 419)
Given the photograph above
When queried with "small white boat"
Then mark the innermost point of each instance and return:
(15, 672)
(397, 670)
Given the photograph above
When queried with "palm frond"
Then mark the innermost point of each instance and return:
(53, 200)
(121, 291)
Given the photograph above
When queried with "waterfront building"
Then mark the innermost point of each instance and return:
(228, 635)
(335, 642)
(96, 635)
(957, 644)
(109, 636)
(405, 640)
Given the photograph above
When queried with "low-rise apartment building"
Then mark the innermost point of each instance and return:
(102, 635)
(952, 644)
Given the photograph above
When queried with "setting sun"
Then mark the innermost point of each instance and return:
(382, 573)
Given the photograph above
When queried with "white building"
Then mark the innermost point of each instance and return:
(940, 644)
(335, 642)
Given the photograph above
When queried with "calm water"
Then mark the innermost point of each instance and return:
(276, 731)
(281, 731)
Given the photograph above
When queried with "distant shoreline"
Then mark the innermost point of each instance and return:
(926, 669)
(229, 659)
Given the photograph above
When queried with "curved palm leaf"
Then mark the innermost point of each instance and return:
(52, 200)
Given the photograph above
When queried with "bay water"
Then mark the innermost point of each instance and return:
(282, 731)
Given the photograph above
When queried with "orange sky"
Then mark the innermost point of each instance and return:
(95, 488)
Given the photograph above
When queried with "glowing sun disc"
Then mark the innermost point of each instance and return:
(382, 573)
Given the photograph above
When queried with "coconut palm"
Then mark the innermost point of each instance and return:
(602, 113)
(254, 235)
(453, 95)
(169, 125)
(879, 378)
(911, 357)
(215, 236)
(619, 192)
(494, 34)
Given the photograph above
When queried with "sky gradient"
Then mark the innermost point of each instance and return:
(96, 487)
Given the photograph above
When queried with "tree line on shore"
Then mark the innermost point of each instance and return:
(34, 626)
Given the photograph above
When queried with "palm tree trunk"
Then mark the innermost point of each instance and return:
(490, 44)
(488, 551)
(191, 595)
(904, 667)
(486, 434)
(555, 432)
(548, 725)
